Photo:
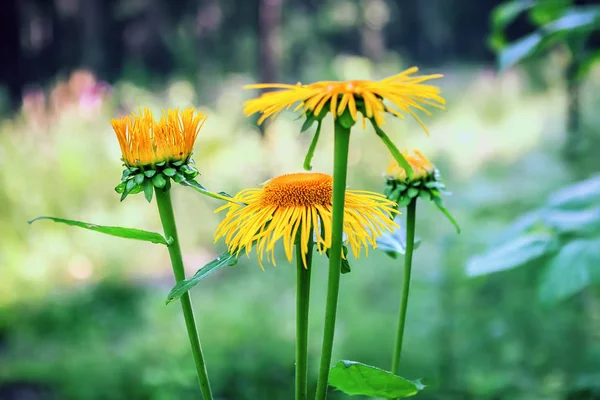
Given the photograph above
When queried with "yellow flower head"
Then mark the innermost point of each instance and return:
(422, 167)
(145, 141)
(402, 90)
(294, 205)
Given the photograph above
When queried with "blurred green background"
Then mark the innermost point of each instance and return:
(509, 309)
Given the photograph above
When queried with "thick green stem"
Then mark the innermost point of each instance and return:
(302, 304)
(410, 244)
(165, 209)
(340, 167)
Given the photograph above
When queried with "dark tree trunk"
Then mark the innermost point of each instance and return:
(269, 17)
(10, 52)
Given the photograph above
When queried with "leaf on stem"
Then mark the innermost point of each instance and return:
(128, 233)
(354, 378)
(224, 260)
(393, 149)
(311, 149)
(199, 188)
(444, 210)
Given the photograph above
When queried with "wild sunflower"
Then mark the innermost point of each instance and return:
(158, 151)
(291, 206)
(407, 93)
(145, 141)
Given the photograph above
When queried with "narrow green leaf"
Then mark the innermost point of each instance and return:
(393, 149)
(312, 147)
(199, 188)
(128, 233)
(222, 261)
(148, 190)
(576, 18)
(354, 378)
(515, 253)
(444, 210)
(310, 118)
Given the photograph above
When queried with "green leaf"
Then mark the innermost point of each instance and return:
(519, 50)
(393, 149)
(394, 243)
(579, 195)
(310, 119)
(150, 173)
(199, 188)
(576, 18)
(148, 190)
(576, 266)
(574, 221)
(222, 261)
(354, 378)
(128, 233)
(546, 11)
(312, 147)
(159, 181)
(515, 253)
(169, 171)
(345, 266)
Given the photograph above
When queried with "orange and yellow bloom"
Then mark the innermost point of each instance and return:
(422, 167)
(293, 206)
(145, 141)
(405, 92)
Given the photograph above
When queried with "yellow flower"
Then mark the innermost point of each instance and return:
(295, 205)
(402, 90)
(421, 166)
(145, 141)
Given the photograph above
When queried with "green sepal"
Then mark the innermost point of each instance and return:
(161, 164)
(150, 173)
(134, 169)
(159, 181)
(416, 183)
(224, 260)
(346, 119)
(139, 178)
(311, 149)
(120, 188)
(310, 119)
(148, 190)
(129, 186)
(345, 265)
(178, 178)
(169, 172)
(402, 187)
(412, 192)
(177, 163)
(127, 233)
(425, 195)
(404, 201)
(126, 173)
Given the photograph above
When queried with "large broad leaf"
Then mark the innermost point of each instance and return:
(515, 253)
(354, 378)
(576, 266)
(580, 195)
(129, 233)
(574, 221)
(224, 260)
(520, 50)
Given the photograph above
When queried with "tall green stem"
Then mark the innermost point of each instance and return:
(411, 212)
(340, 167)
(165, 209)
(302, 304)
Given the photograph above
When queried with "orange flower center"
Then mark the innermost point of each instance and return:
(303, 189)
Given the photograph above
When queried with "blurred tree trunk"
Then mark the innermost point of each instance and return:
(10, 52)
(94, 17)
(269, 18)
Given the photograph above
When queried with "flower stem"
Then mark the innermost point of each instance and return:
(411, 212)
(302, 304)
(165, 209)
(340, 166)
